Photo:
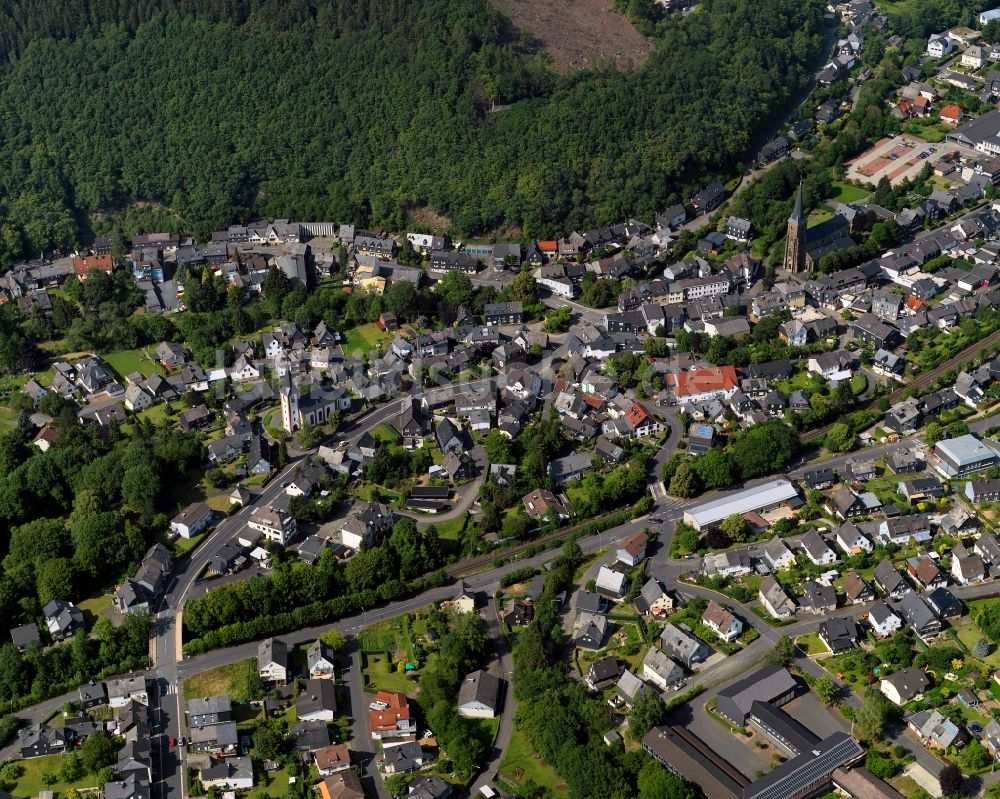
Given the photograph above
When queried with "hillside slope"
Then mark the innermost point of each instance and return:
(375, 108)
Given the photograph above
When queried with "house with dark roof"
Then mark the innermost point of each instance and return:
(479, 695)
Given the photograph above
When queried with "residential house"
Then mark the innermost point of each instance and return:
(317, 701)
(677, 641)
(660, 670)
(722, 622)
(479, 695)
(775, 600)
(272, 661)
(905, 685)
(883, 620)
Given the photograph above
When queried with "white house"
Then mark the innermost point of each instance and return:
(904, 685)
(632, 550)
(775, 600)
(884, 622)
(817, 550)
(938, 46)
(611, 583)
(192, 520)
(479, 696)
(851, 540)
(778, 555)
(723, 623)
(124, 689)
(276, 525)
(660, 670)
(272, 660)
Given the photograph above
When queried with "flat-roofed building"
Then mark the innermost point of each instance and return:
(765, 497)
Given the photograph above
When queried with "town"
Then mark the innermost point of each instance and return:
(708, 500)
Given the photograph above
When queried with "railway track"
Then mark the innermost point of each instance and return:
(922, 380)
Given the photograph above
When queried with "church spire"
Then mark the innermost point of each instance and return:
(795, 237)
(797, 217)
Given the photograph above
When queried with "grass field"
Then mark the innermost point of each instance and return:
(520, 766)
(274, 784)
(385, 434)
(182, 546)
(95, 606)
(811, 644)
(363, 338)
(451, 529)
(381, 678)
(127, 361)
(31, 781)
(239, 680)
(846, 193)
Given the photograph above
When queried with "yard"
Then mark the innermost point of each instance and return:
(273, 784)
(33, 771)
(846, 193)
(181, 546)
(239, 681)
(95, 606)
(524, 771)
(363, 338)
(451, 530)
(385, 645)
(811, 644)
(125, 362)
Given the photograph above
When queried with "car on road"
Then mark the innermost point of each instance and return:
(688, 556)
(172, 741)
(656, 521)
(182, 741)
(285, 484)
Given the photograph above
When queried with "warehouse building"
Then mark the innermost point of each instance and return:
(759, 499)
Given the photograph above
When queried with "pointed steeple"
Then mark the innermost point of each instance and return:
(797, 217)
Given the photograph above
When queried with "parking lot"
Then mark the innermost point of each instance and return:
(898, 158)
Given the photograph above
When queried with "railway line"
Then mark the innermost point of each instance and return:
(922, 380)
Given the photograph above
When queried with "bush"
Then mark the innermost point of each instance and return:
(521, 575)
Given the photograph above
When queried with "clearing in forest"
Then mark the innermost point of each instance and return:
(579, 33)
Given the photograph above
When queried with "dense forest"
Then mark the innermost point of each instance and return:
(362, 111)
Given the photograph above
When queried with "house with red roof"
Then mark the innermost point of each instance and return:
(699, 385)
(83, 264)
(390, 717)
(951, 115)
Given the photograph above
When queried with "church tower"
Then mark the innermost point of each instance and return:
(289, 404)
(795, 238)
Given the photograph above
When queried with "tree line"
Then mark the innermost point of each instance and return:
(363, 111)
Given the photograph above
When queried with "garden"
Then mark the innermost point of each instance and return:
(392, 653)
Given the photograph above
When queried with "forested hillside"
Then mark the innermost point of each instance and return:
(363, 110)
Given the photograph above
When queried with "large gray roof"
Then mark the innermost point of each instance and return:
(750, 499)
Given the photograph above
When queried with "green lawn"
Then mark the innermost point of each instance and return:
(95, 606)
(846, 193)
(8, 416)
(521, 766)
(451, 529)
(126, 361)
(273, 783)
(182, 546)
(156, 414)
(238, 680)
(363, 338)
(388, 643)
(382, 678)
(386, 434)
(811, 644)
(31, 781)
